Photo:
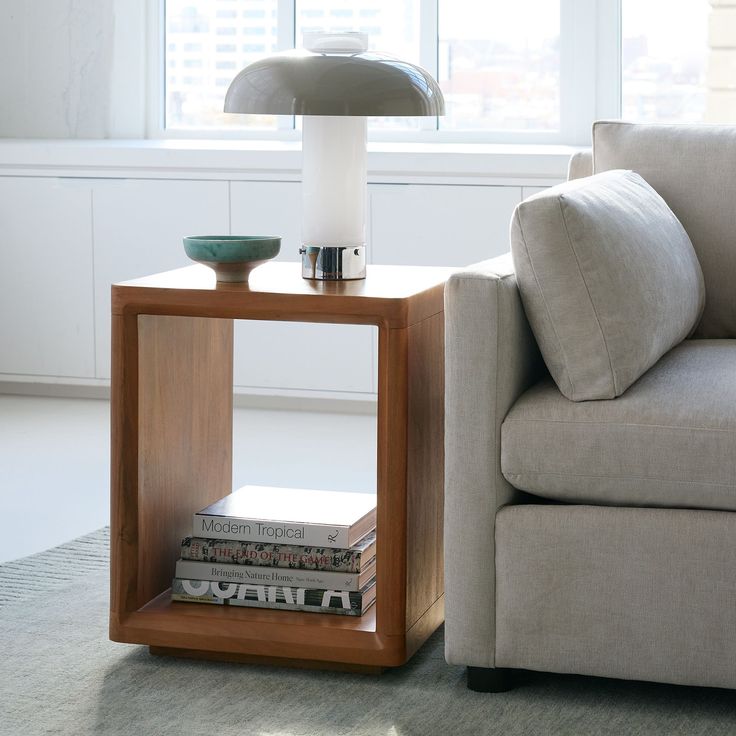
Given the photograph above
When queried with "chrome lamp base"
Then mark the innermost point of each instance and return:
(333, 262)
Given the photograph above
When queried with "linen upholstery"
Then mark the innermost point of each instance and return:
(692, 167)
(608, 278)
(670, 440)
(491, 357)
(624, 592)
(642, 594)
(580, 165)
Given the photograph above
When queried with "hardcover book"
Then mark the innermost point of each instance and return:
(289, 515)
(290, 556)
(318, 579)
(275, 596)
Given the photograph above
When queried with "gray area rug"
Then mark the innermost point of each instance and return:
(60, 675)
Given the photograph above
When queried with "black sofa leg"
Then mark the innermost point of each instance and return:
(489, 680)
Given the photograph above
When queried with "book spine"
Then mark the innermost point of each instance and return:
(266, 576)
(255, 530)
(262, 554)
(263, 596)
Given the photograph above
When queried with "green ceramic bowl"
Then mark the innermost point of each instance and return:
(232, 257)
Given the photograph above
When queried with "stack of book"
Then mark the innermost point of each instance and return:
(283, 548)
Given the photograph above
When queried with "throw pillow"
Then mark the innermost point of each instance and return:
(608, 278)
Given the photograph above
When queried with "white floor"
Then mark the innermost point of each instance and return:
(55, 458)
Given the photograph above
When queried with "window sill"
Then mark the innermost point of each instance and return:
(441, 163)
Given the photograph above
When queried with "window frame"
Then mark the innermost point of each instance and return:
(590, 79)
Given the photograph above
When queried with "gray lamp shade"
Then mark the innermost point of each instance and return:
(305, 83)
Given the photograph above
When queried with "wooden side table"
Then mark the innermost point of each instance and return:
(172, 363)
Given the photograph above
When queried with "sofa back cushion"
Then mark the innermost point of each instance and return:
(608, 278)
(693, 168)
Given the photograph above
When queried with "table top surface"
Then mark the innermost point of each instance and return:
(397, 296)
(284, 278)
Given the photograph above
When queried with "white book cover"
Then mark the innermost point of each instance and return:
(289, 516)
(314, 579)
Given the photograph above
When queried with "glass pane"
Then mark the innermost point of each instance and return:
(392, 27)
(664, 60)
(207, 44)
(499, 64)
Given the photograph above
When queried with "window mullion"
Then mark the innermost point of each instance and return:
(286, 24)
(608, 60)
(286, 39)
(156, 69)
(578, 40)
(428, 47)
(590, 59)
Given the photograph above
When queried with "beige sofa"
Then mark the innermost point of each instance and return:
(598, 537)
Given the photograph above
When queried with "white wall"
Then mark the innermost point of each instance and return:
(72, 68)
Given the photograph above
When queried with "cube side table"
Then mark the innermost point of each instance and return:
(172, 454)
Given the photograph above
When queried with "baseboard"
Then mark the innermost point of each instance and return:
(315, 401)
(56, 390)
(348, 404)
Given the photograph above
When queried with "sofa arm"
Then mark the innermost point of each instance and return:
(490, 359)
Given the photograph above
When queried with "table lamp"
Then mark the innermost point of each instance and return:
(334, 82)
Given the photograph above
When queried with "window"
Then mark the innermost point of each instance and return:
(529, 71)
(486, 65)
(497, 70)
(194, 104)
(663, 65)
(393, 28)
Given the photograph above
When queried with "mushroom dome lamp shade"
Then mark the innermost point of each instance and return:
(335, 83)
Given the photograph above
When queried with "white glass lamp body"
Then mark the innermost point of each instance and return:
(334, 84)
(334, 178)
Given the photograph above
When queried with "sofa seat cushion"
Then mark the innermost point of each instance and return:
(669, 441)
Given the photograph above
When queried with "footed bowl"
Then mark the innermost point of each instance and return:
(232, 257)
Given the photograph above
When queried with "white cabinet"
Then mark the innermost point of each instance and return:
(292, 355)
(268, 208)
(46, 327)
(303, 357)
(439, 225)
(138, 229)
(64, 241)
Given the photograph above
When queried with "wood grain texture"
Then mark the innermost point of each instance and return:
(391, 480)
(300, 664)
(185, 418)
(425, 626)
(124, 468)
(426, 466)
(263, 632)
(397, 296)
(172, 441)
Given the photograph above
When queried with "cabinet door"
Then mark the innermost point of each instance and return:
(292, 355)
(428, 225)
(46, 288)
(268, 208)
(438, 225)
(138, 229)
